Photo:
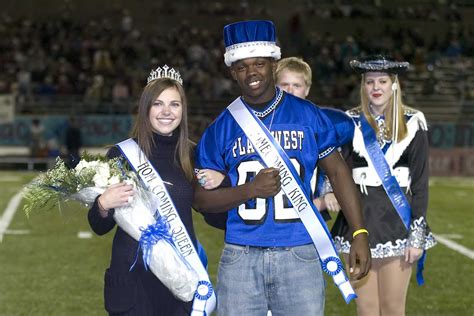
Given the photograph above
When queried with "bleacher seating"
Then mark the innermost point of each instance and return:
(442, 93)
(165, 32)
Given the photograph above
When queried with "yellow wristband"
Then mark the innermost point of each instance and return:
(359, 231)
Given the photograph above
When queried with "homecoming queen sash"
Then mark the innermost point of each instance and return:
(274, 156)
(204, 298)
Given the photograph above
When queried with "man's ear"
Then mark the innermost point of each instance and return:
(274, 66)
(306, 92)
(232, 73)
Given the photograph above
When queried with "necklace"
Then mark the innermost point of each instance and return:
(270, 109)
(382, 135)
(271, 121)
(382, 130)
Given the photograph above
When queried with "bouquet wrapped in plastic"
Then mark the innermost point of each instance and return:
(140, 218)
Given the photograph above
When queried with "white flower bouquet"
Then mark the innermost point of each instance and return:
(140, 218)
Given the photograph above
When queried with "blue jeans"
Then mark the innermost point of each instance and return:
(286, 280)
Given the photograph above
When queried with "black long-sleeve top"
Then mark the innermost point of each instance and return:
(139, 292)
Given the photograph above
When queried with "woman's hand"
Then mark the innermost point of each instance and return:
(209, 179)
(412, 254)
(116, 195)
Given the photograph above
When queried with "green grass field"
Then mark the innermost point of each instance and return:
(45, 269)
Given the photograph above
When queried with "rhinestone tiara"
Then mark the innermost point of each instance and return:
(165, 72)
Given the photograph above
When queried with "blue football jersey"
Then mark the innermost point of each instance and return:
(344, 126)
(304, 132)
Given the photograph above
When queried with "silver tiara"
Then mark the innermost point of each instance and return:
(165, 72)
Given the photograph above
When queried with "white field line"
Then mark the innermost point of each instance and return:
(9, 213)
(456, 247)
(84, 235)
(16, 232)
(451, 236)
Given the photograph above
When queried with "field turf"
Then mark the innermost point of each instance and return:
(45, 269)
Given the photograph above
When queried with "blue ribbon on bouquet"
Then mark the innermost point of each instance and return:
(122, 168)
(55, 188)
(150, 237)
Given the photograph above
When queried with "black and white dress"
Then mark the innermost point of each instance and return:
(388, 236)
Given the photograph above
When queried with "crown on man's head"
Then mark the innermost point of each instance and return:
(246, 39)
(165, 72)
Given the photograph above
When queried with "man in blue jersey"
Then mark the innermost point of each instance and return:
(270, 261)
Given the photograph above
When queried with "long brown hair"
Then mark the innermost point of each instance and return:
(143, 130)
(402, 125)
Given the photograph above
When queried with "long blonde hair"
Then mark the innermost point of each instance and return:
(402, 125)
(143, 130)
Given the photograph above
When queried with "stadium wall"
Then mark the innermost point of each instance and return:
(451, 154)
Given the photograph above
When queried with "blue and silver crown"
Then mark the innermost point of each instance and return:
(165, 72)
(248, 39)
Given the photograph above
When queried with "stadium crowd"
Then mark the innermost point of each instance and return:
(106, 57)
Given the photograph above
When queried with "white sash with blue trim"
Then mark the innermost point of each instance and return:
(204, 298)
(390, 184)
(274, 156)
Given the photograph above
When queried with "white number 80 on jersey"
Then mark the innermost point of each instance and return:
(255, 211)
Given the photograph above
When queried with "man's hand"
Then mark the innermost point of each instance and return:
(319, 203)
(360, 259)
(349, 200)
(331, 202)
(265, 184)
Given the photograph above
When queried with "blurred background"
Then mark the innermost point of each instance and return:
(89, 59)
(71, 72)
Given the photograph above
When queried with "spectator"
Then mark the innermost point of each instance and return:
(120, 90)
(96, 92)
(36, 138)
(73, 142)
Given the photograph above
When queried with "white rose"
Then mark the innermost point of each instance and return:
(102, 175)
(132, 183)
(95, 164)
(80, 166)
(114, 180)
(100, 181)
